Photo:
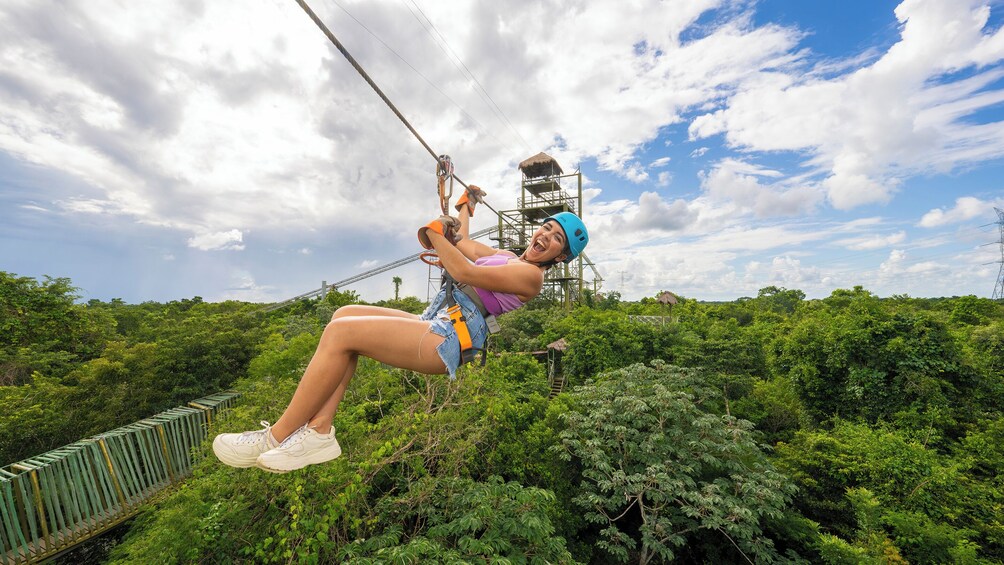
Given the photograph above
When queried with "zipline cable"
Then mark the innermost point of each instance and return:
(362, 72)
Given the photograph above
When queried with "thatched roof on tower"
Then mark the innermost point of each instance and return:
(560, 345)
(540, 165)
(667, 298)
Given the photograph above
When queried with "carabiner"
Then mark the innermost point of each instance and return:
(444, 170)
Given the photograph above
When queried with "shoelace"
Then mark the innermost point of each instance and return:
(294, 437)
(255, 436)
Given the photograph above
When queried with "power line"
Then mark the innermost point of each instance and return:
(454, 58)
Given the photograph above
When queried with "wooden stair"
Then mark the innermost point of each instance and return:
(557, 385)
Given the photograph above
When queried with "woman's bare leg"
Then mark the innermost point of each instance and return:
(322, 420)
(362, 310)
(401, 340)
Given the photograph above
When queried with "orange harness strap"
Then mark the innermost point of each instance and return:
(460, 325)
(468, 352)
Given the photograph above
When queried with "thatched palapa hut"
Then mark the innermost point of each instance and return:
(667, 297)
(540, 165)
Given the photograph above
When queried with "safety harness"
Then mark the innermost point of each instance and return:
(459, 321)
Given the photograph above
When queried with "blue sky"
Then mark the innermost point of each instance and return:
(162, 150)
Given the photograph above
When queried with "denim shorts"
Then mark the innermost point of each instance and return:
(449, 350)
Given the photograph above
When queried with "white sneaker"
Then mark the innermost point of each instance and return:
(243, 449)
(303, 447)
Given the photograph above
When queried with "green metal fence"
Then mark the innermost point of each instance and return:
(53, 501)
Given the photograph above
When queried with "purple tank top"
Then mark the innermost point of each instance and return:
(497, 303)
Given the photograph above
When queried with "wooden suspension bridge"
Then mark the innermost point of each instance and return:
(54, 501)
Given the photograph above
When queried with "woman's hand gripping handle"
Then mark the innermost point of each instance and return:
(446, 226)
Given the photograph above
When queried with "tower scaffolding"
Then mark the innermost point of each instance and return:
(543, 195)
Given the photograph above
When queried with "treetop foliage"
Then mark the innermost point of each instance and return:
(850, 429)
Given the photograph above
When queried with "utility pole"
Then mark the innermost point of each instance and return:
(999, 287)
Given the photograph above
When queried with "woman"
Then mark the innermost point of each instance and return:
(429, 344)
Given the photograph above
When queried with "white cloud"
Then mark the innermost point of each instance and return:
(635, 173)
(898, 264)
(966, 208)
(244, 287)
(873, 241)
(89, 206)
(231, 240)
(738, 183)
(863, 132)
(35, 208)
(656, 214)
(198, 117)
(784, 271)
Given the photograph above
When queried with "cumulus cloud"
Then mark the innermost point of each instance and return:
(184, 123)
(784, 271)
(231, 240)
(864, 131)
(654, 213)
(966, 208)
(897, 263)
(739, 183)
(635, 173)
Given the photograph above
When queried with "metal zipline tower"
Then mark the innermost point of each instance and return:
(999, 287)
(541, 196)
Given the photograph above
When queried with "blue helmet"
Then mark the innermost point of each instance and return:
(575, 233)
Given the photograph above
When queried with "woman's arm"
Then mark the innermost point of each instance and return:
(471, 249)
(522, 279)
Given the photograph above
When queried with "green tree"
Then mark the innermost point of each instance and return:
(780, 300)
(971, 310)
(658, 469)
(603, 340)
(397, 287)
(407, 304)
(339, 298)
(42, 329)
(447, 519)
(853, 355)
